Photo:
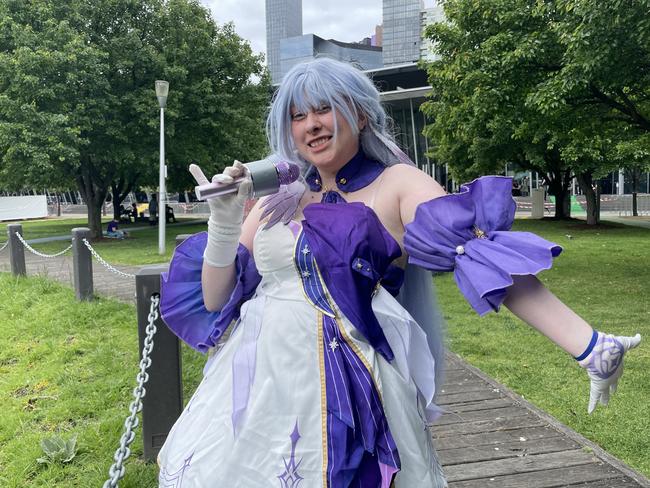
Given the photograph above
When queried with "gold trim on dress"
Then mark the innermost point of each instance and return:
(323, 393)
(302, 281)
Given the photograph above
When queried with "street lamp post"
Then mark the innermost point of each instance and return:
(162, 90)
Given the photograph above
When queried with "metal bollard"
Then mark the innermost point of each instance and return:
(82, 264)
(16, 250)
(163, 403)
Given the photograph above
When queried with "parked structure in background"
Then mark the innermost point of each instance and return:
(283, 20)
(296, 50)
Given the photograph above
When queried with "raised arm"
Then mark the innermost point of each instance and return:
(212, 273)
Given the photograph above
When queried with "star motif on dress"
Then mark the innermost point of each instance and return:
(333, 344)
(306, 274)
(305, 250)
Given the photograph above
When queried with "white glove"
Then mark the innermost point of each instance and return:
(604, 365)
(226, 214)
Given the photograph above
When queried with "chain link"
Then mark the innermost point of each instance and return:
(34, 251)
(3, 246)
(103, 262)
(117, 470)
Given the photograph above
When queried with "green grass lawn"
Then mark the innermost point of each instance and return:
(69, 367)
(141, 247)
(603, 274)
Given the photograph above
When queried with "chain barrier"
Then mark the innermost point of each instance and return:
(3, 246)
(34, 251)
(117, 470)
(104, 263)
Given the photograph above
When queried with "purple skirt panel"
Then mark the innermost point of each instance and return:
(181, 295)
(361, 451)
(468, 233)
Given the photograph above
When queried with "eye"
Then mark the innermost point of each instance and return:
(296, 116)
(323, 109)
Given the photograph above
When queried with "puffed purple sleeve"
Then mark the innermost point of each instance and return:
(469, 233)
(181, 295)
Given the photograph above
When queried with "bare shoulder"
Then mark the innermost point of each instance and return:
(412, 187)
(410, 181)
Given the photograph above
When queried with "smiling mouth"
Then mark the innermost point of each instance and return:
(319, 142)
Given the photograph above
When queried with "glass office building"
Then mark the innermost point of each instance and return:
(401, 31)
(283, 20)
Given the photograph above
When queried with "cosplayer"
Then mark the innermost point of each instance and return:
(328, 376)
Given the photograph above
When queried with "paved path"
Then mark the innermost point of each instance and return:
(490, 437)
(105, 282)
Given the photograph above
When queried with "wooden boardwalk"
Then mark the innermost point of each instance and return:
(490, 437)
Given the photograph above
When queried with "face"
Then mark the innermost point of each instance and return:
(313, 135)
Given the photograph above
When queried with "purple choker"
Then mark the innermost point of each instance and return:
(357, 173)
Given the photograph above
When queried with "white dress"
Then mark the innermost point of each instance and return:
(279, 438)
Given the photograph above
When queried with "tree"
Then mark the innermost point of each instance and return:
(496, 95)
(492, 55)
(606, 60)
(77, 100)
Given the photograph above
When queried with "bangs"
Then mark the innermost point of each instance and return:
(312, 90)
(310, 93)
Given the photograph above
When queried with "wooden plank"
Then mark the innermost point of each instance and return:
(480, 405)
(495, 438)
(459, 375)
(550, 478)
(464, 386)
(623, 482)
(470, 396)
(513, 449)
(518, 465)
(509, 412)
(482, 426)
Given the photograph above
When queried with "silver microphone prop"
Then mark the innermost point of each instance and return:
(265, 175)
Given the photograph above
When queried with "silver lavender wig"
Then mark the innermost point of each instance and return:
(323, 81)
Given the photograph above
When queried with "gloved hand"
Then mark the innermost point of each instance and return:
(604, 365)
(226, 214)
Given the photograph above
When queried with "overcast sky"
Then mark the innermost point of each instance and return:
(343, 20)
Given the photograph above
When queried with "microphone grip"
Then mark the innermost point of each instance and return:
(213, 190)
(265, 176)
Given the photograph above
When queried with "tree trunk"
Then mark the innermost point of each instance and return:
(93, 189)
(119, 191)
(115, 192)
(94, 218)
(559, 187)
(585, 180)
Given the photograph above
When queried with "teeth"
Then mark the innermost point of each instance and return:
(318, 142)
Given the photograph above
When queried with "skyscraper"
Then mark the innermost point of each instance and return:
(401, 37)
(283, 20)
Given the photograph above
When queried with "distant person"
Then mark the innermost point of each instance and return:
(169, 214)
(153, 209)
(134, 212)
(113, 231)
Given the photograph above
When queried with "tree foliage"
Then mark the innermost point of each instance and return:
(77, 101)
(513, 84)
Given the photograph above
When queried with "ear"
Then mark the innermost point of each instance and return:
(363, 121)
